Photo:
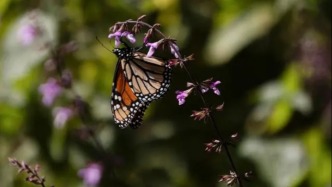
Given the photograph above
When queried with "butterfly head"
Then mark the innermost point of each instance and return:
(117, 52)
(122, 52)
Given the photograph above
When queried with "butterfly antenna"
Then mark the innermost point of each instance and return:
(103, 44)
(139, 48)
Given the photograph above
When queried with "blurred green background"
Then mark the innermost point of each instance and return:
(273, 58)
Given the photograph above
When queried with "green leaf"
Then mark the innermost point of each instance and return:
(320, 158)
(281, 113)
(277, 100)
(3, 6)
(281, 162)
(10, 120)
(227, 41)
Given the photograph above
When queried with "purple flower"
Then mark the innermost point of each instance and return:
(182, 95)
(174, 49)
(91, 174)
(209, 84)
(129, 36)
(27, 33)
(153, 46)
(204, 89)
(213, 86)
(118, 34)
(61, 116)
(152, 49)
(50, 90)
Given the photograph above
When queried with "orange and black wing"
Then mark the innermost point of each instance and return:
(148, 77)
(127, 109)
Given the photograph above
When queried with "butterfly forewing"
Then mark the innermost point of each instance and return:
(149, 77)
(127, 109)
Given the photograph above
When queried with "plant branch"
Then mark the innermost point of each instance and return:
(214, 124)
(192, 79)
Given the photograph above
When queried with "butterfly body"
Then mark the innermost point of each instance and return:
(138, 81)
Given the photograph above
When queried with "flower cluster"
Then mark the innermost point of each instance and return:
(121, 32)
(215, 145)
(201, 114)
(204, 86)
(118, 34)
(230, 179)
(128, 29)
(208, 84)
(204, 113)
(54, 86)
(60, 81)
(32, 172)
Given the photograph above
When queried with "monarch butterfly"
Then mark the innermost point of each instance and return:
(138, 80)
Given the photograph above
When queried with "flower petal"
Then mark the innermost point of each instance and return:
(115, 34)
(50, 90)
(117, 41)
(216, 91)
(174, 50)
(61, 116)
(91, 174)
(131, 38)
(181, 96)
(151, 51)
